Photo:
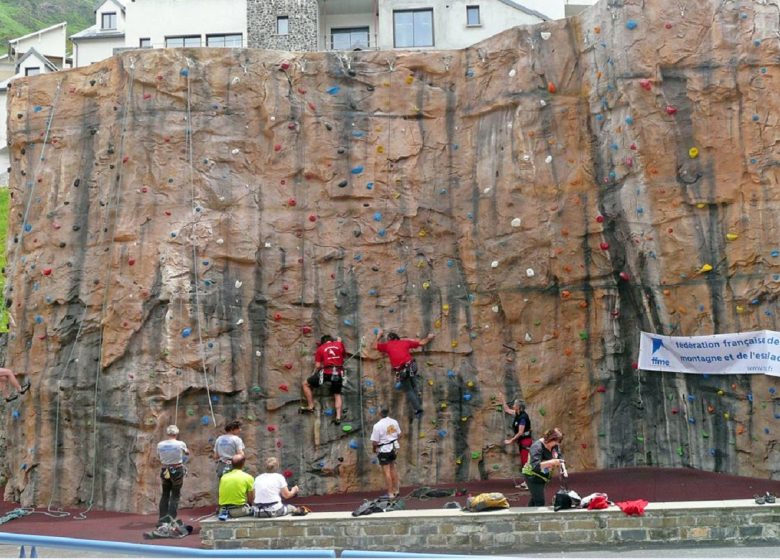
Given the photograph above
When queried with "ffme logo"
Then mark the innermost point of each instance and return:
(658, 344)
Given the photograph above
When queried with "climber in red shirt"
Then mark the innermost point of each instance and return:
(328, 366)
(404, 365)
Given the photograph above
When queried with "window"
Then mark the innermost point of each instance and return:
(145, 43)
(282, 25)
(348, 39)
(234, 40)
(472, 16)
(108, 20)
(413, 28)
(182, 41)
(32, 71)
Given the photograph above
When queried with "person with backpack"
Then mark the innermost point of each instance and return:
(328, 367)
(404, 366)
(543, 458)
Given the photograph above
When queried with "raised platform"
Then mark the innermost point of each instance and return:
(512, 530)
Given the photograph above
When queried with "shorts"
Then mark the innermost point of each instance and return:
(386, 458)
(334, 379)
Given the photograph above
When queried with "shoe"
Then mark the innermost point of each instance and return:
(759, 499)
(223, 515)
(305, 410)
(769, 498)
(25, 387)
(12, 397)
(522, 486)
(337, 421)
(418, 414)
(387, 497)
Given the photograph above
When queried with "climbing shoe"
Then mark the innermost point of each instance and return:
(337, 421)
(305, 410)
(25, 387)
(12, 397)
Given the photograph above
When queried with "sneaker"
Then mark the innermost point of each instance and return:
(418, 414)
(769, 498)
(305, 410)
(223, 515)
(25, 387)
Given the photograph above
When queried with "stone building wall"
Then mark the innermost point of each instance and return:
(304, 24)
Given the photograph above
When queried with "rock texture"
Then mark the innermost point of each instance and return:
(187, 223)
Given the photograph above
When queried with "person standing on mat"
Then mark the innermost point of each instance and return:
(384, 441)
(328, 367)
(227, 446)
(171, 453)
(404, 365)
(521, 424)
(543, 458)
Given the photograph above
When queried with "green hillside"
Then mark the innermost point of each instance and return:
(19, 17)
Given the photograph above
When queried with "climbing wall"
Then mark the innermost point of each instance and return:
(186, 224)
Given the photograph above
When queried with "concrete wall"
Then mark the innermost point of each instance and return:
(157, 19)
(304, 19)
(506, 531)
(449, 21)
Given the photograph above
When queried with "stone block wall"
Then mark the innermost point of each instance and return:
(304, 24)
(500, 532)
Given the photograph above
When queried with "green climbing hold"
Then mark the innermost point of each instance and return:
(542, 411)
(537, 323)
(640, 439)
(190, 412)
(476, 454)
(680, 451)
(705, 435)
(583, 335)
(256, 389)
(346, 428)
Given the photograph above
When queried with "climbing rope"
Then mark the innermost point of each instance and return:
(14, 514)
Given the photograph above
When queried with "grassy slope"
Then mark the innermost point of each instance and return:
(19, 17)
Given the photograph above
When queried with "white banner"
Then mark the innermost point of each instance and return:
(751, 352)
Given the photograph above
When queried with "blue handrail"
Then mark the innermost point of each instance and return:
(156, 550)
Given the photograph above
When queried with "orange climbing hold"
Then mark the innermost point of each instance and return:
(551, 87)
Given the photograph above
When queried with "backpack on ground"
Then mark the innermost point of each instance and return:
(487, 501)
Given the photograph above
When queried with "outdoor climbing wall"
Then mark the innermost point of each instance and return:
(186, 224)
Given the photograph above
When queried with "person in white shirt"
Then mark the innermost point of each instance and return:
(270, 489)
(226, 446)
(171, 452)
(384, 440)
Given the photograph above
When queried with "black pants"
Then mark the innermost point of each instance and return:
(536, 488)
(171, 491)
(410, 383)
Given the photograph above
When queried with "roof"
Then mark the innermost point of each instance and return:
(95, 32)
(31, 53)
(528, 11)
(118, 4)
(34, 33)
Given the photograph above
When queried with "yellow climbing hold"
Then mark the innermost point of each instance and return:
(693, 153)
(409, 80)
(437, 323)
(396, 195)
(700, 205)
(430, 382)
(443, 405)
(426, 285)
(470, 384)
(454, 344)
(445, 307)
(731, 236)
(706, 268)
(740, 309)
(380, 149)
(422, 233)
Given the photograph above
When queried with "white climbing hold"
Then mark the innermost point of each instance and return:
(528, 337)
(543, 103)
(526, 157)
(220, 241)
(517, 222)
(273, 118)
(258, 353)
(545, 35)
(548, 159)
(235, 151)
(239, 283)
(236, 80)
(529, 272)
(494, 309)
(240, 322)
(512, 73)
(487, 190)
(267, 245)
(494, 264)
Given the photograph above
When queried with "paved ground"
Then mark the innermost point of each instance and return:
(654, 485)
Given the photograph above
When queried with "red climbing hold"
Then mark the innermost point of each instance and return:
(600, 219)
(291, 202)
(167, 212)
(551, 87)
(635, 365)
(302, 91)
(633, 146)
(47, 271)
(671, 109)
(287, 473)
(277, 148)
(625, 276)
(292, 125)
(285, 287)
(144, 189)
(278, 317)
(55, 225)
(284, 387)
(601, 389)
(288, 365)
(646, 84)
(147, 95)
(131, 261)
(312, 218)
(284, 65)
(306, 329)
(668, 25)
(615, 313)
(312, 106)
(271, 428)
(125, 159)
(604, 246)
(308, 175)
(675, 410)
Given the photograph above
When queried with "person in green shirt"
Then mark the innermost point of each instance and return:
(236, 491)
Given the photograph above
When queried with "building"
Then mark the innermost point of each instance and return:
(574, 7)
(102, 40)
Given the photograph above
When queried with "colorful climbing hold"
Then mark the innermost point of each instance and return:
(705, 268)
(631, 24)
(693, 153)
(186, 332)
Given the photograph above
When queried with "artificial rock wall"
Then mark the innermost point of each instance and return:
(187, 223)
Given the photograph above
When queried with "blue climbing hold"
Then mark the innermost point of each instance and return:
(187, 331)
(376, 330)
(756, 43)
(442, 433)
(369, 186)
(750, 397)
(357, 170)
(205, 263)
(450, 373)
(358, 133)
(382, 232)
(467, 397)
(348, 322)
(353, 444)
(756, 118)
(173, 234)
(599, 117)
(368, 382)
(37, 109)
(400, 269)
(184, 72)
(469, 73)
(631, 24)
(204, 420)
(377, 216)
(629, 120)
(712, 451)
(691, 420)
(207, 283)
(691, 398)
(16, 414)
(373, 292)
(27, 227)
(215, 398)
(321, 464)
(450, 263)
(772, 390)
(442, 191)
(333, 90)
(329, 412)
(397, 384)
(210, 344)
(358, 257)
(372, 410)
(472, 298)
(470, 216)
(766, 430)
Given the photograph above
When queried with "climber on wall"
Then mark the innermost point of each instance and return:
(404, 366)
(227, 446)
(328, 366)
(10, 378)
